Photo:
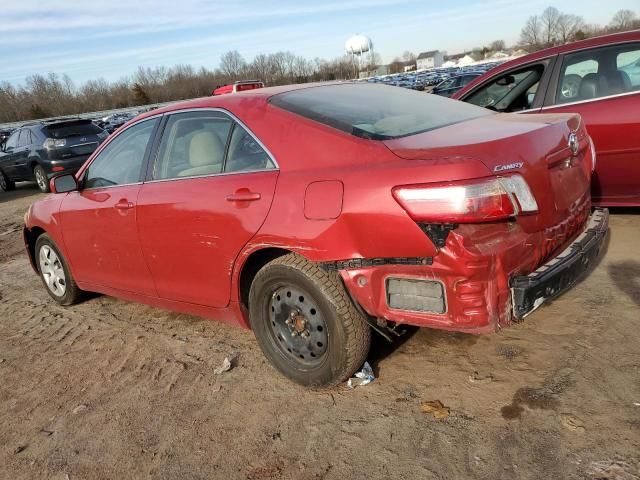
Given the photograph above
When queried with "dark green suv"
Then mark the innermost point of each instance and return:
(42, 150)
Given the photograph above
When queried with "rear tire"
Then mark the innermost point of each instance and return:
(305, 322)
(41, 179)
(55, 273)
(6, 185)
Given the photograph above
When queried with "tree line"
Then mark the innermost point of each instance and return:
(553, 27)
(52, 95)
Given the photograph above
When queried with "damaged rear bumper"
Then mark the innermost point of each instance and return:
(530, 291)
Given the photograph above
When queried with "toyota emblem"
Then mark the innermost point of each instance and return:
(573, 143)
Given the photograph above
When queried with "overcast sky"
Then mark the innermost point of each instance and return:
(110, 39)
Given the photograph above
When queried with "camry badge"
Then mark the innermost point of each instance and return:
(573, 143)
(510, 166)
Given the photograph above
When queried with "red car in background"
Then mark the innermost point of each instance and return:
(239, 86)
(598, 78)
(313, 214)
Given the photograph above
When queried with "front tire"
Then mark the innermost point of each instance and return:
(306, 323)
(41, 179)
(55, 273)
(6, 185)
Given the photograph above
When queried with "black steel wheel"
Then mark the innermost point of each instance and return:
(306, 323)
(298, 325)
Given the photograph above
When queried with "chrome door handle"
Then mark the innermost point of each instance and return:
(123, 205)
(244, 196)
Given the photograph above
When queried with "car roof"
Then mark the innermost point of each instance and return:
(258, 95)
(602, 40)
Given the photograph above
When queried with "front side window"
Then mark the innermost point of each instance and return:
(120, 162)
(511, 91)
(196, 144)
(12, 141)
(599, 72)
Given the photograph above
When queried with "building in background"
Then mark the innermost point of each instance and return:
(432, 59)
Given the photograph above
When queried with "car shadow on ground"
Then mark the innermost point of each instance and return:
(382, 348)
(626, 276)
(22, 190)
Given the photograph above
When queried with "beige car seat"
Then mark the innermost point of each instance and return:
(206, 153)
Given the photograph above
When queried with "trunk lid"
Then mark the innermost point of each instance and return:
(534, 146)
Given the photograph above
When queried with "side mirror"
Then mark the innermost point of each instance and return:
(64, 184)
(506, 80)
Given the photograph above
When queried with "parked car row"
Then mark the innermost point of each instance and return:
(419, 80)
(41, 150)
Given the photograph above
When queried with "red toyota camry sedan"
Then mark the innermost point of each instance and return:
(599, 79)
(313, 214)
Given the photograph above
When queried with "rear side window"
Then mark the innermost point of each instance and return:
(196, 144)
(120, 162)
(375, 112)
(599, 72)
(25, 137)
(193, 144)
(71, 129)
(629, 63)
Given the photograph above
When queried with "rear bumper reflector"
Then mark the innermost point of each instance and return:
(415, 295)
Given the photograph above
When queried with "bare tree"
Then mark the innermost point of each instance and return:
(232, 64)
(531, 34)
(623, 20)
(549, 21)
(567, 27)
(497, 46)
(409, 57)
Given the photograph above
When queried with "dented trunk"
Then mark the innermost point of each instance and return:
(552, 152)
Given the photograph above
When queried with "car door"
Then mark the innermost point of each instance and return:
(208, 193)
(7, 163)
(21, 155)
(603, 86)
(99, 221)
(519, 89)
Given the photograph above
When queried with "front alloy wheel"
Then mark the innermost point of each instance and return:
(55, 273)
(41, 179)
(52, 271)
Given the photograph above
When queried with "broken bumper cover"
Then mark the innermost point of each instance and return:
(528, 292)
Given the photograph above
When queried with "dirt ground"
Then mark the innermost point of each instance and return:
(110, 389)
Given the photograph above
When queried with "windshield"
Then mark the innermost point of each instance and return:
(376, 112)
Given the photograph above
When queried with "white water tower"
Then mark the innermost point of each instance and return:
(356, 46)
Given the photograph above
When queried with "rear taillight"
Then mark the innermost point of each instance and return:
(54, 143)
(467, 202)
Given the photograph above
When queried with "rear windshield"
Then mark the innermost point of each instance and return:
(72, 129)
(376, 112)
